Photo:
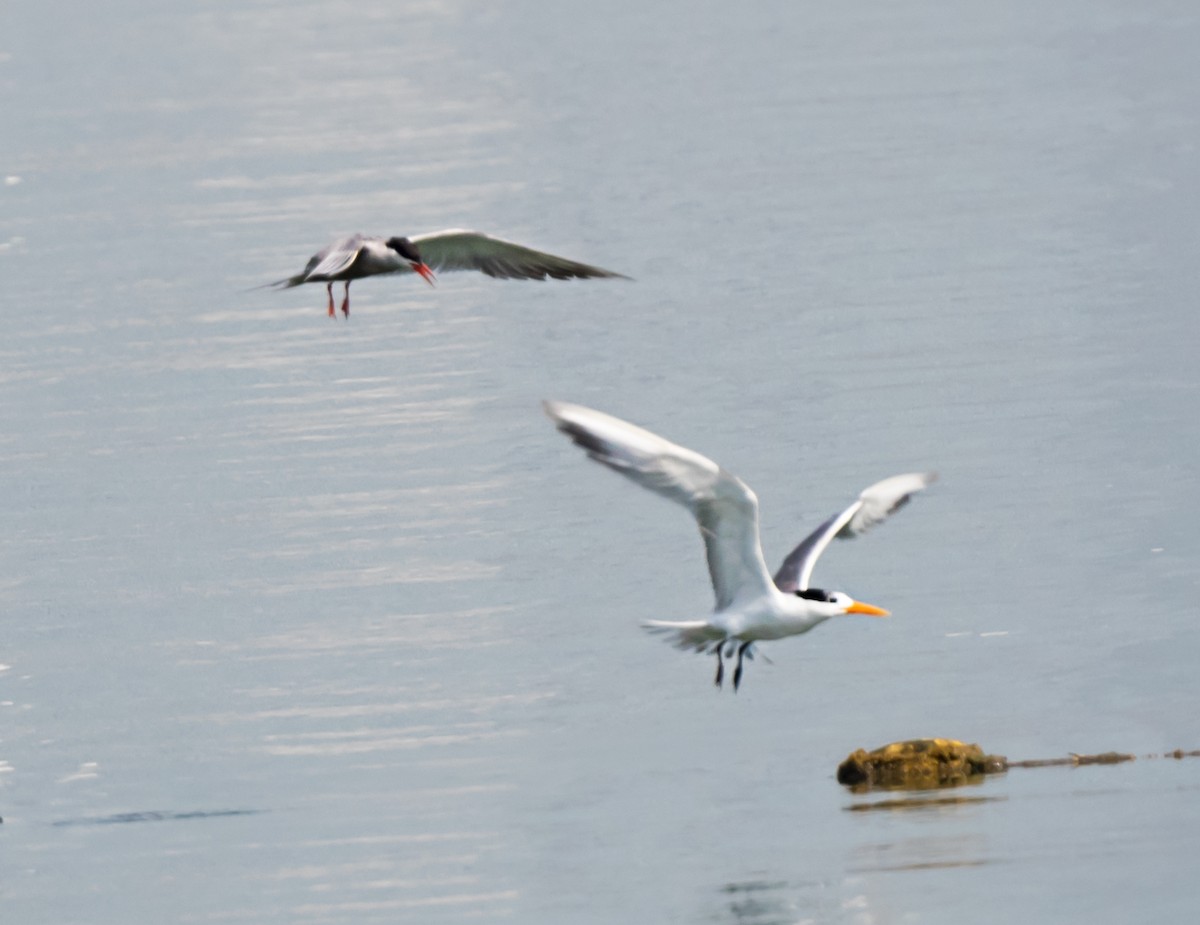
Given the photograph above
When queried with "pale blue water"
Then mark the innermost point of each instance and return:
(318, 622)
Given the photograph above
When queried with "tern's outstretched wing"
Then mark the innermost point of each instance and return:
(724, 507)
(324, 263)
(335, 258)
(873, 506)
(457, 249)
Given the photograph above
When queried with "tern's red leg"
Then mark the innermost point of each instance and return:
(329, 289)
(346, 300)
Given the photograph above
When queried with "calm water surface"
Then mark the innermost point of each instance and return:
(316, 622)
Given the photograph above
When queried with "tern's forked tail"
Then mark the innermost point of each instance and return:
(288, 283)
(687, 635)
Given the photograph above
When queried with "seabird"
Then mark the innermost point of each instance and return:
(751, 606)
(358, 256)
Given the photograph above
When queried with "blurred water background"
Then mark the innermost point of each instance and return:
(316, 622)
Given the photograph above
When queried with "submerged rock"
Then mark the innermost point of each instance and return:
(925, 764)
(918, 764)
(1075, 761)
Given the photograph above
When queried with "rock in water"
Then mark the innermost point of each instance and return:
(918, 764)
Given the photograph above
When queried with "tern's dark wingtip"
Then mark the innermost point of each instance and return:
(578, 434)
(601, 273)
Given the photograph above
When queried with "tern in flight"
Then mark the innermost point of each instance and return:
(358, 256)
(751, 606)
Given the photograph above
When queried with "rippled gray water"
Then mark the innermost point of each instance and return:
(317, 622)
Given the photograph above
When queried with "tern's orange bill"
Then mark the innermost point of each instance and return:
(869, 609)
(425, 272)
